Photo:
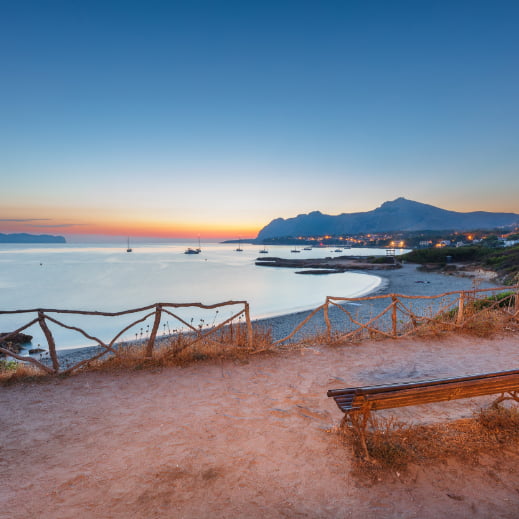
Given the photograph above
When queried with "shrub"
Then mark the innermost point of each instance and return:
(7, 365)
(394, 445)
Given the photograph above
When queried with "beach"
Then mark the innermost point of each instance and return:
(407, 280)
(242, 439)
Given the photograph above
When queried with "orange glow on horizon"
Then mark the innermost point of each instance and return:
(115, 221)
(162, 230)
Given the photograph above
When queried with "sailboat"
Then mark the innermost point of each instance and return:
(190, 250)
(128, 248)
(239, 249)
(264, 250)
(295, 249)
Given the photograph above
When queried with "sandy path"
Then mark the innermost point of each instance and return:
(239, 440)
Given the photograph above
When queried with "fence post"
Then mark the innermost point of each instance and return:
(151, 340)
(327, 320)
(250, 338)
(50, 341)
(393, 314)
(461, 309)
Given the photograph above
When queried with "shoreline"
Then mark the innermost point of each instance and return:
(407, 280)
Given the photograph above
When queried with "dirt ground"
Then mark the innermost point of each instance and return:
(238, 439)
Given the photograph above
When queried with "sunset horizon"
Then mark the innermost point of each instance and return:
(76, 232)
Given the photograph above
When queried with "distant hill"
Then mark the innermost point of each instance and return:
(31, 238)
(399, 215)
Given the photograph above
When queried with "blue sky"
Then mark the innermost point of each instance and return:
(214, 117)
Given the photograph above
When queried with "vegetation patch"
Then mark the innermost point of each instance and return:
(230, 343)
(395, 446)
(504, 261)
(481, 317)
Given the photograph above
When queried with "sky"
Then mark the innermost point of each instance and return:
(179, 119)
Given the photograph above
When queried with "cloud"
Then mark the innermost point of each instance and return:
(28, 221)
(23, 220)
(60, 225)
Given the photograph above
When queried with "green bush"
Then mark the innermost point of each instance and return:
(502, 299)
(7, 365)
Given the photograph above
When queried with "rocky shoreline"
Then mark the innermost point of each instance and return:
(407, 279)
(328, 265)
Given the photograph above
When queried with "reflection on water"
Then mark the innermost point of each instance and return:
(107, 278)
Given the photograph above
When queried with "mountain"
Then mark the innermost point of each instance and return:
(398, 215)
(31, 238)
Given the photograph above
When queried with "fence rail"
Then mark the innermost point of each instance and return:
(397, 315)
(155, 310)
(403, 315)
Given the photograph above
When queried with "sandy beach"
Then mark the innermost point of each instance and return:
(247, 439)
(406, 280)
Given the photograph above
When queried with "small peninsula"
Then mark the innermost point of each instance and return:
(31, 238)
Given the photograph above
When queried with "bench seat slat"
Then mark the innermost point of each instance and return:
(401, 395)
(433, 382)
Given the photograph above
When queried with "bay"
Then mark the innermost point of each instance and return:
(107, 278)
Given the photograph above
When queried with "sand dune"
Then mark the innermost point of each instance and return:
(240, 440)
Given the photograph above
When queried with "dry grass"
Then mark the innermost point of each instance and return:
(178, 350)
(394, 446)
(184, 349)
(18, 372)
(479, 320)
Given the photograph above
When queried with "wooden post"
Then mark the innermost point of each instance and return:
(151, 340)
(461, 309)
(327, 320)
(250, 337)
(393, 314)
(50, 341)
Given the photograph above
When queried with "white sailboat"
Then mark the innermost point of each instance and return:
(190, 250)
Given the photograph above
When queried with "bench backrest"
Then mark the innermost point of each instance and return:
(422, 392)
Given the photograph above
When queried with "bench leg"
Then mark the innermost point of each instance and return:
(512, 395)
(359, 421)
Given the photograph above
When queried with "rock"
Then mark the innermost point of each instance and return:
(17, 338)
(15, 342)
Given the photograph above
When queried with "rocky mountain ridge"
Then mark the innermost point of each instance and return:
(397, 215)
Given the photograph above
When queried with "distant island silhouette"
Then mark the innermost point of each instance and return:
(397, 215)
(31, 238)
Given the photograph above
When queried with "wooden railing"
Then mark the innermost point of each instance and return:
(404, 315)
(371, 317)
(155, 311)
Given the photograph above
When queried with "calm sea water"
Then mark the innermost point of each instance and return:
(107, 278)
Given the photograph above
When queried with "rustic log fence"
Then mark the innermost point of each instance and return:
(398, 315)
(395, 315)
(156, 311)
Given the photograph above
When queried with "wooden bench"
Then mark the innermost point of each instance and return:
(358, 402)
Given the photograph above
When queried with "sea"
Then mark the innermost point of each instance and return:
(107, 278)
